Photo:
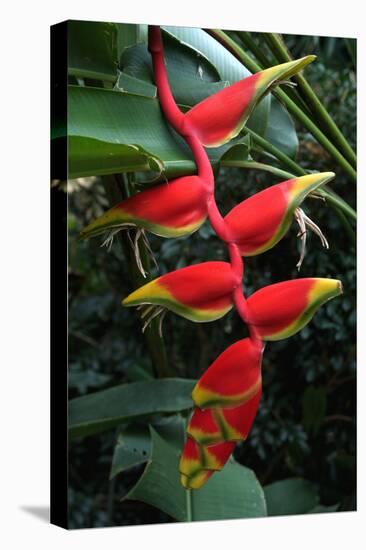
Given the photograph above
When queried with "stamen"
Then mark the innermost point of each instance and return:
(302, 234)
(288, 83)
(152, 316)
(135, 248)
(317, 196)
(111, 233)
(304, 221)
(147, 310)
(147, 244)
(110, 236)
(316, 229)
(161, 323)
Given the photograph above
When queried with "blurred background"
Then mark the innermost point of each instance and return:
(305, 426)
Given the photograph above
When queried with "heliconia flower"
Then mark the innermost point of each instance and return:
(172, 209)
(233, 378)
(280, 310)
(220, 117)
(259, 223)
(200, 293)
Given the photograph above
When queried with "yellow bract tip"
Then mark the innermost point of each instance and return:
(283, 71)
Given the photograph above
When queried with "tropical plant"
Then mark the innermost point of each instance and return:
(118, 126)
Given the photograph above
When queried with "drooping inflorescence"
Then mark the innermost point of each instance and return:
(227, 396)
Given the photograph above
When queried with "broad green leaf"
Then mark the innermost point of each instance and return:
(182, 62)
(314, 406)
(93, 51)
(238, 152)
(106, 409)
(127, 83)
(133, 445)
(291, 496)
(111, 131)
(228, 67)
(230, 494)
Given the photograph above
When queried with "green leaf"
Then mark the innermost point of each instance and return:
(106, 409)
(227, 66)
(112, 131)
(230, 494)
(127, 83)
(134, 446)
(314, 407)
(93, 51)
(181, 59)
(291, 496)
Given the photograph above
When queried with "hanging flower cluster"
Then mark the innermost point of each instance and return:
(227, 396)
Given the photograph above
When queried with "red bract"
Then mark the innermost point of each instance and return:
(280, 310)
(201, 292)
(233, 378)
(227, 396)
(172, 209)
(259, 223)
(220, 117)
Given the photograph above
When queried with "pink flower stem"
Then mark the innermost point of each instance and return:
(177, 120)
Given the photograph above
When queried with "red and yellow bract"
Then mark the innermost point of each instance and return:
(233, 378)
(259, 223)
(280, 310)
(201, 292)
(172, 209)
(220, 117)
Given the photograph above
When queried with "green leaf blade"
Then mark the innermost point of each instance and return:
(106, 409)
(232, 493)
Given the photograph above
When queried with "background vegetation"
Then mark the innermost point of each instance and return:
(305, 427)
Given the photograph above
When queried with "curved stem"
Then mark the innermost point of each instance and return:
(258, 166)
(269, 148)
(177, 120)
(169, 106)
